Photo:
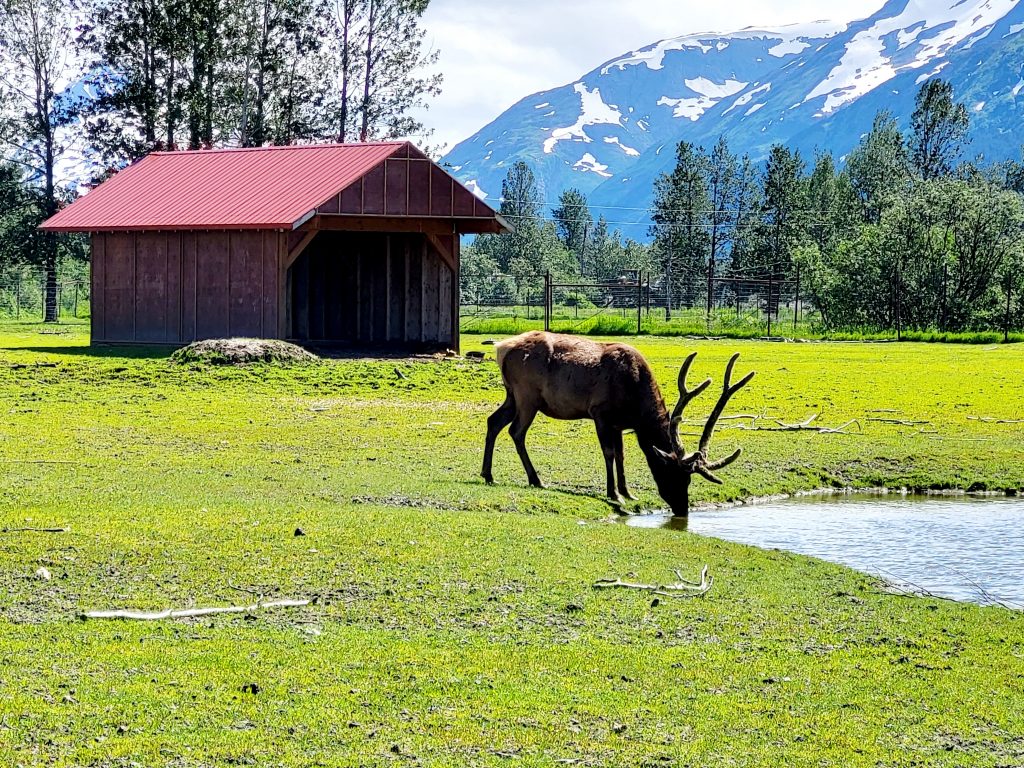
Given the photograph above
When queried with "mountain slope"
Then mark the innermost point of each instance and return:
(815, 86)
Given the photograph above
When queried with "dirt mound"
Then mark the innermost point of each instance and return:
(242, 352)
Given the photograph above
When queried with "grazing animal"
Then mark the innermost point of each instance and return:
(566, 377)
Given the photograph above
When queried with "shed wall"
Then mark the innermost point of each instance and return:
(178, 287)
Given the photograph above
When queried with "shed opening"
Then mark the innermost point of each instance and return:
(373, 289)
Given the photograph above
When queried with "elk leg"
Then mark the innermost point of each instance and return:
(607, 436)
(520, 424)
(620, 468)
(496, 422)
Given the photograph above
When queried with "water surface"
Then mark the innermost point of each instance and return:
(963, 548)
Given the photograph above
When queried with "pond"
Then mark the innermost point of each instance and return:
(963, 548)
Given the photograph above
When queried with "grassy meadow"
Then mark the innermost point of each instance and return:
(454, 624)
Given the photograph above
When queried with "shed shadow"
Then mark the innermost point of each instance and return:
(101, 352)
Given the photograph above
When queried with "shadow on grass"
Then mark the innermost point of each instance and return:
(628, 509)
(98, 352)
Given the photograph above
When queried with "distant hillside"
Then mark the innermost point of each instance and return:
(815, 86)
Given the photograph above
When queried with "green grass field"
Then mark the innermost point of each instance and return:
(455, 623)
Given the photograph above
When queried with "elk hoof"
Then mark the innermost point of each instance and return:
(628, 495)
(488, 479)
(538, 484)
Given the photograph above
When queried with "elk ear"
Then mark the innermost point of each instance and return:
(666, 458)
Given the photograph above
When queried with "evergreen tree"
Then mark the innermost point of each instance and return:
(521, 208)
(722, 169)
(783, 213)
(746, 204)
(680, 229)
(938, 130)
(575, 225)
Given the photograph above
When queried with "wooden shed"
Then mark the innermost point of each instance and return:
(327, 244)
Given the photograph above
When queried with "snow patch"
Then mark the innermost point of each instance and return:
(1017, 88)
(475, 188)
(866, 63)
(653, 56)
(1014, 29)
(933, 73)
(589, 163)
(709, 93)
(753, 109)
(541, 106)
(615, 140)
(593, 111)
(747, 97)
(715, 90)
(788, 48)
(979, 106)
(688, 108)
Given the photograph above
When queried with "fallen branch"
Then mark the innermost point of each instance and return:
(993, 420)
(35, 530)
(807, 425)
(191, 613)
(38, 461)
(900, 422)
(682, 589)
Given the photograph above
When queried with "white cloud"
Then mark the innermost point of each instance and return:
(493, 55)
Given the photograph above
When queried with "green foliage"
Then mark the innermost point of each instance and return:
(207, 72)
(938, 130)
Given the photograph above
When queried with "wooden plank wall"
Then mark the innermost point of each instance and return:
(407, 186)
(373, 290)
(177, 287)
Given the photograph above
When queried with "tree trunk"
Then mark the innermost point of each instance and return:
(364, 130)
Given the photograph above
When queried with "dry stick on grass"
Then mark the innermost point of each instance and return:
(35, 530)
(804, 426)
(38, 461)
(682, 589)
(993, 420)
(900, 422)
(191, 613)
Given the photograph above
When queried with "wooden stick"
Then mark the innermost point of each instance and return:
(35, 530)
(682, 589)
(191, 613)
(38, 461)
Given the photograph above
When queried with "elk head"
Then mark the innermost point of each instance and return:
(674, 470)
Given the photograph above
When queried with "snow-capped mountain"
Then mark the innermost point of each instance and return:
(814, 86)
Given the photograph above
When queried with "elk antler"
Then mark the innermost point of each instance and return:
(685, 395)
(699, 459)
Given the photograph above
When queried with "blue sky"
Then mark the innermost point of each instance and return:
(495, 53)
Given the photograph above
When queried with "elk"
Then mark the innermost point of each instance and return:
(565, 377)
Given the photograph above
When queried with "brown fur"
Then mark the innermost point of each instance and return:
(565, 377)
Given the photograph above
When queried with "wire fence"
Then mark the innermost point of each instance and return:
(635, 303)
(23, 297)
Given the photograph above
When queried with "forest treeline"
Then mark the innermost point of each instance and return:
(112, 80)
(901, 233)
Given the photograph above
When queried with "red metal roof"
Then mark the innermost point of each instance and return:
(263, 188)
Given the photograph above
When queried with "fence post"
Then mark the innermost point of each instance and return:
(769, 307)
(547, 301)
(76, 300)
(1009, 294)
(639, 301)
(42, 298)
(899, 308)
(711, 286)
(17, 299)
(796, 301)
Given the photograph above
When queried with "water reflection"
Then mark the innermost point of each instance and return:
(964, 548)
